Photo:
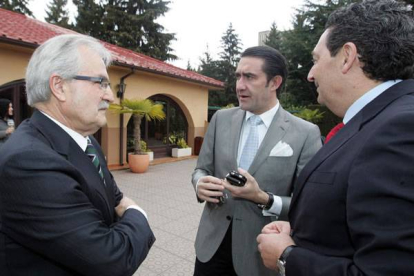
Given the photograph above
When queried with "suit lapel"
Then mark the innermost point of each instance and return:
(275, 133)
(237, 120)
(351, 129)
(63, 144)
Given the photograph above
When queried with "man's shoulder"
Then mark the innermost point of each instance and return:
(299, 122)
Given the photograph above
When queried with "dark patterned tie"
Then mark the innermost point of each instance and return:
(93, 155)
(333, 132)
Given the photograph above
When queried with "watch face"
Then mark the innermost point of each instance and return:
(281, 267)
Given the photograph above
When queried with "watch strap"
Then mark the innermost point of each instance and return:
(269, 203)
(286, 253)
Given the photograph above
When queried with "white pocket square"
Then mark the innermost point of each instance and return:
(281, 149)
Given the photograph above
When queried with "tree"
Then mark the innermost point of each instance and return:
(274, 39)
(89, 18)
(229, 58)
(129, 24)
(57, 13)
(211, 68)
(19, 6)
(298, 43)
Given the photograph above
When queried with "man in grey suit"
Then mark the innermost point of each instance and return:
(271, 153)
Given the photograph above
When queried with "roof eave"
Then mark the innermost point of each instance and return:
(209, 85)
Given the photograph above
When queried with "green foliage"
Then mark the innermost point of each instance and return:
(144, 147)
(274, 39)
(298, 43)
(223, 69)
(129, 24)
(19, 6)
(313, 116)
(139, 108)
(182, 144)
(57, 13)
(228, 106)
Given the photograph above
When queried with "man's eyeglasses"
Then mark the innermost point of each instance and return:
(104, 83)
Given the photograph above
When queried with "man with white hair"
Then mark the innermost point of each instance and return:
(61, 212)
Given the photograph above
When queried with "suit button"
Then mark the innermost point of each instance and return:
(228, 217)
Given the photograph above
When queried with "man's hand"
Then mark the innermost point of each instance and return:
(209, 188)
(277, 227)
(250, 190)
(271, 246)
(123, 205)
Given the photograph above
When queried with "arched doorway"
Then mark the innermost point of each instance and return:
(157, 133)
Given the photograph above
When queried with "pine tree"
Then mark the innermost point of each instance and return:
(19, 6)
(298, 43)
(57, 13)
(89, 18)
(211, 68)
(274, 39)
(229, 58)
(129, 24)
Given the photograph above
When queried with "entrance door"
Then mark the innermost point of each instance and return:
(157, 133)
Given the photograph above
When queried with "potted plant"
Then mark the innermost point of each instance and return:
(139, 108)
(182, 150)
(146, 150)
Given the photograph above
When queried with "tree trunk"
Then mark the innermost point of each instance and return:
(137, 133)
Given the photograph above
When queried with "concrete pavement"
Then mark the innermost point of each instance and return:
(166, 194)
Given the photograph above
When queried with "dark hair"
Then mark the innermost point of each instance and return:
(274, 62)
(383, 32)
(4, 108)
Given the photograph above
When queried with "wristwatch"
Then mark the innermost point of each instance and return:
(269, 203)
(281, 263)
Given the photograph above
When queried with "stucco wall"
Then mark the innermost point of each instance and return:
(13, 62)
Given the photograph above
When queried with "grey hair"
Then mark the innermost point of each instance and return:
(58, 55)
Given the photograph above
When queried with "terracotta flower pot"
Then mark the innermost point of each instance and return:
(138, 163)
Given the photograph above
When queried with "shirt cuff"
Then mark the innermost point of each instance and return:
(136, 207)
(276, 208)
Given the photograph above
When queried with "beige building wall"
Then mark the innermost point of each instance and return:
(191, 97)
(13, 62)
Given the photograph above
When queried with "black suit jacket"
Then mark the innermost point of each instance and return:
(352, 212)
(57, 216)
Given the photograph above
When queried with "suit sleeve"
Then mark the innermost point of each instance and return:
(205, 162)
(50, 214)
(311, 145)
(379, 208)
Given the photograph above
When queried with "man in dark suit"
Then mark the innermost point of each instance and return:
(352, 207)
(225, 243)
(61, 212)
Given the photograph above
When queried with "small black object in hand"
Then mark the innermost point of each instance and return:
(236, 179)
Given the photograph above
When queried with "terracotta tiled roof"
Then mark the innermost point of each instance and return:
(18, 28)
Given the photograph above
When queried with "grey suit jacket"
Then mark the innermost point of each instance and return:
(273, 173)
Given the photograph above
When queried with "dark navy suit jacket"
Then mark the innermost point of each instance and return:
(352, 211)
(56, 215)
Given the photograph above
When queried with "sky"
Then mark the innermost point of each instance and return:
(199, 24)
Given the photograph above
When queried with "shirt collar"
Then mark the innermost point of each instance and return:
(79, 139)
(267, 116)
(367, 98)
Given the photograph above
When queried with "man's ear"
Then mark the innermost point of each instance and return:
(350, 56)
(56, 84)
(276, 82)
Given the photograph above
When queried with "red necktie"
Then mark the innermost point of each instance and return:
(333, 132)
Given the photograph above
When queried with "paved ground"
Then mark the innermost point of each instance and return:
(166, 194)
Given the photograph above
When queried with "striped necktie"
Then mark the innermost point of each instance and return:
(252, 143)
(93, 155)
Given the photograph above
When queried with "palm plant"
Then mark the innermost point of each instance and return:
(139, 108)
